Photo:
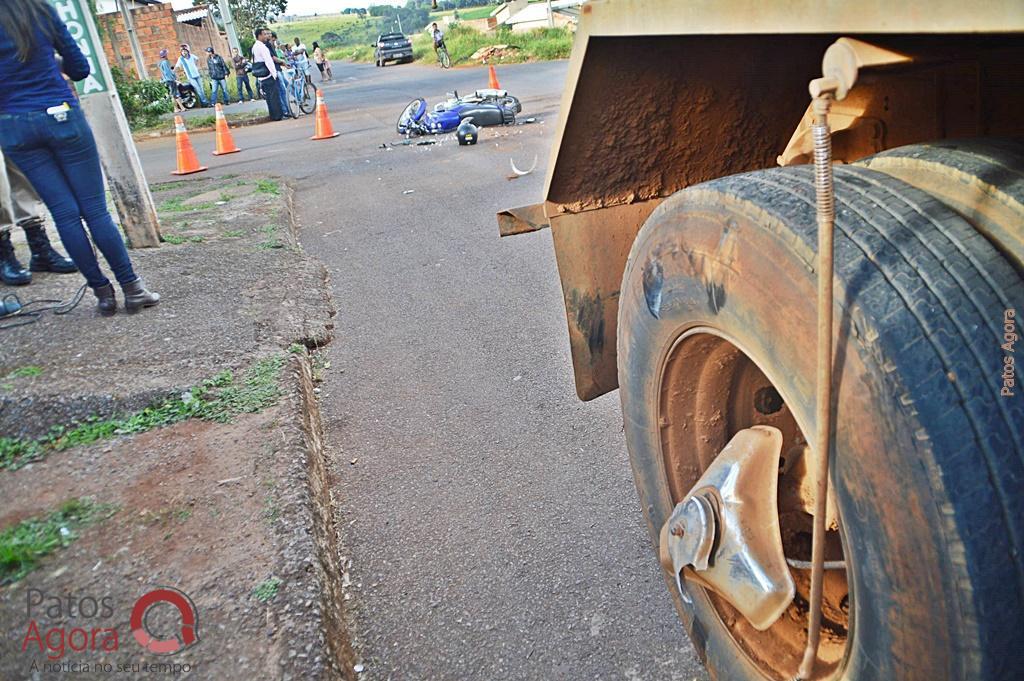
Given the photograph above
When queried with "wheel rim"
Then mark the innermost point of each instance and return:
(710, 389)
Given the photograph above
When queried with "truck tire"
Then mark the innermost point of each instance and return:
(982, 179)
(716, 333)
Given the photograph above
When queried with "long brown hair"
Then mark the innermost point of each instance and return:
(21, 18)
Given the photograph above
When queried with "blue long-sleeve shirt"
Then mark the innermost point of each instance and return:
(37, 84)
(165, 70)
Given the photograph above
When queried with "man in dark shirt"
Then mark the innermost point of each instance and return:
(241, 74)
(218, 70)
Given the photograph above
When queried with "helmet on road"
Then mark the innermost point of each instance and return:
(467, 132)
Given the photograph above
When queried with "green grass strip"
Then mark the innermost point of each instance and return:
(24, 544)
(219, 398)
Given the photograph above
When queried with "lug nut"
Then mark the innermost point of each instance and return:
(677, 531)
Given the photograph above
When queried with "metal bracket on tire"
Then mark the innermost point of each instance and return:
(726, 531)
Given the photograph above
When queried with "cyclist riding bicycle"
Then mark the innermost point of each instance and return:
(438, 37)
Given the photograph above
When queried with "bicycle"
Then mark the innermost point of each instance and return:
(300, 93)
(442, 56)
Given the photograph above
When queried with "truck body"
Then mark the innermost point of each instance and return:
(681, 204)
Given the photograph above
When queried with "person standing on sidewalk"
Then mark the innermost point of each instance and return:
(189, 63)
(44, 132)
(242, 68)
(167, 75)
(265, 71)
(218, 70)
(19, 204)
(170, 80)
(283, 81)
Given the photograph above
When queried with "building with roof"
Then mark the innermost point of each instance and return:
(158, 26)
(524, 15)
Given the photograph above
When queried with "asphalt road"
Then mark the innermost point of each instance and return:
(490, 517)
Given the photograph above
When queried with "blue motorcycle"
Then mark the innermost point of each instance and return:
(485, 107)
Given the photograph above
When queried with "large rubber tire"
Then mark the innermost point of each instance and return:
(927, 458)
(982, 179)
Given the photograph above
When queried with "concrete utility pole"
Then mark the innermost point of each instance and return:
(133, 39)
(551, 16)
(229, 24)
(102, 107)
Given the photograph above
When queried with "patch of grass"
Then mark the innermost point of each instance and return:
(297, 349)
(462, 41)
(24, 544)
(266, 590)
(270, 510)
(232, 233)
(268, 187)
(219, 398)
(166, 515)
(173, 205)
(258, 389)
(167, 186)
(205, 121)
(196, 239)
(25, 372)
(178, 205)
(269, 244)
(312, 28)
(476, 13)
(173, 239)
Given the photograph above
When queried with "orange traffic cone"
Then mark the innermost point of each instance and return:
(225, 143)
(187, 161)
(493, 84)
(324, 130)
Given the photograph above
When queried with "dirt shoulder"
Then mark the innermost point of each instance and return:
(228, 504)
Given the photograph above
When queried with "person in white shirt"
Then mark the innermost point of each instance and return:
(438, 36)
(301, 56)
(265, 71)
(189, 63)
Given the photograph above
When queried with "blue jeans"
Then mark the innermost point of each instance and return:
(221, 85)
(61, 161)
(197, 83)
(243, 82)
(284, 86)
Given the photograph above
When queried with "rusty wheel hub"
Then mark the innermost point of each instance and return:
(738, 468)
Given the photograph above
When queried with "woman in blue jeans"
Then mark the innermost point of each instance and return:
(43, 130)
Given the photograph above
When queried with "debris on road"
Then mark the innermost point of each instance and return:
(493, 52)
(519, 173)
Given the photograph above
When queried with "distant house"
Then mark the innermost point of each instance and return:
(158, 27)
(523, 15)
(107, 6)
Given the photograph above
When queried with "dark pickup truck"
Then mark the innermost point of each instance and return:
(392, 47)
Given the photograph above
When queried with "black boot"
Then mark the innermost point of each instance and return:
(136, 296)
(11, 271)
(44, 257)
(106, 303)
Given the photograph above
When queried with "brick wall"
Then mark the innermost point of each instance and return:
(157, 29)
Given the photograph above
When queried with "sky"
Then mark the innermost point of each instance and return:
(313, 6)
